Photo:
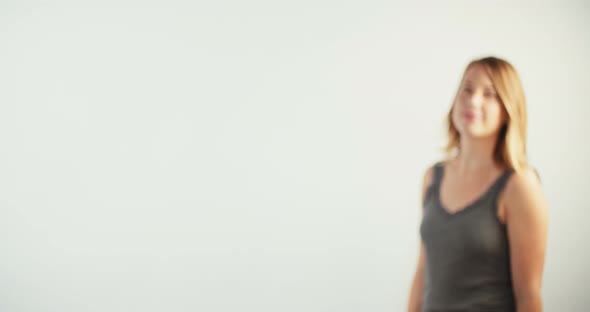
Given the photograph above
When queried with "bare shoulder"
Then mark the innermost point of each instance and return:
(526, 181)
(525, 192)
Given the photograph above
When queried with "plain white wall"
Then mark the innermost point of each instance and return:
(261, 155)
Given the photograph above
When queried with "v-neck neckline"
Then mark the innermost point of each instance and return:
(474, 202)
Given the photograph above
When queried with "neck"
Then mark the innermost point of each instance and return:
(476, 155)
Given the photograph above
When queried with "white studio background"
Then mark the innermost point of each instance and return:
(261, 155)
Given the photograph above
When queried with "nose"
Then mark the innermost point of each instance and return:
(474, 100)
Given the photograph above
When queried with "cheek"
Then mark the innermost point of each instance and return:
(494, 113)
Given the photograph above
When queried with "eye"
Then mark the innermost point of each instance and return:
(467, 90)
(489, 94)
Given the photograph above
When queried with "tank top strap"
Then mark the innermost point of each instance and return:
(500, 183)
(438, 172)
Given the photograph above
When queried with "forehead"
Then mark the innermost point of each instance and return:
(478, 76)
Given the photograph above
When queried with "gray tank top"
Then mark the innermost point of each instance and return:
(467, 259)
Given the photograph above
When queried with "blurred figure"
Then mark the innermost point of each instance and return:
(484, 216)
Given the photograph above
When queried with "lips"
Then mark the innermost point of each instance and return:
(469, 115)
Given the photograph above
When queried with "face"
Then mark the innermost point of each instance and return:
(478, 111)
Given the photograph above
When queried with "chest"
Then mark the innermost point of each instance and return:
(473, 234)
(456, 194)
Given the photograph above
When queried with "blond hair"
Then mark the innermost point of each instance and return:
(510, 149)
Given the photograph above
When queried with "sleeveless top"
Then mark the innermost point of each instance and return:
(467, 256)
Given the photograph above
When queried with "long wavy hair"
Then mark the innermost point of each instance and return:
(510, 150)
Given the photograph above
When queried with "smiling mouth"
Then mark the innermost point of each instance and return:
(469, 116)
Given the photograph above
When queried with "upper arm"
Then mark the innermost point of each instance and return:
(527, 221)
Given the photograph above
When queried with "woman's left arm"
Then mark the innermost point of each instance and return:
(527, 233)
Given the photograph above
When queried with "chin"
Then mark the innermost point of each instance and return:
(472, 133)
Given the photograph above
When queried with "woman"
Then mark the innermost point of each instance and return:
(484, 217)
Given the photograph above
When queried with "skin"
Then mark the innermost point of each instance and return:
(521, 206)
